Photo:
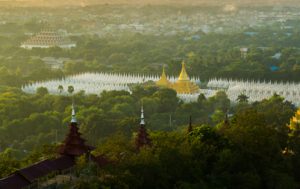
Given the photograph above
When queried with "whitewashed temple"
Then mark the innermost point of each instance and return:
(96, 83)
(47, 39)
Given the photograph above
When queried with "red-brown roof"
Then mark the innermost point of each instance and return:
(25, 177)
(14, 181)
(73, 144)
(63, 163)
(36, 171)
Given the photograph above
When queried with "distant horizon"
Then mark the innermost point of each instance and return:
(83, 3)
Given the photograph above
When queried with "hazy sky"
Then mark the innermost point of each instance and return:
(86, 2)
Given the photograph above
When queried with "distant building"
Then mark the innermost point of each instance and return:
(47, 39)
(277, 56)
(55, 63)
(244, 52)
(183, 85)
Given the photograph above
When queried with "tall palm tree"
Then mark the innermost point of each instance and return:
(242, 98)
(70, 89)
(60, 88)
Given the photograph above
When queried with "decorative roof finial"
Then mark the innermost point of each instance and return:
(73, 120)
(183, 74)
(142, 116)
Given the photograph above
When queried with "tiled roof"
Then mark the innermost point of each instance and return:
(14, 181)
(48, 38)
(29, 175)
(36, 171)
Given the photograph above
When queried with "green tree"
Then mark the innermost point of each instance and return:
(60, 88)
(70, 89)
(41, 91)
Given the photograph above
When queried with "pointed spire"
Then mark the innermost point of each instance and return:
(142, 138)
(184, 85)
(142, 123)
(183, 74)
(74, 145)
(163, 72)
(163, 80)
(73, 120)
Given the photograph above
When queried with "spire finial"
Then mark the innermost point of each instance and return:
(73, 120)
(183, 74)
(142, 116)
(163, 71)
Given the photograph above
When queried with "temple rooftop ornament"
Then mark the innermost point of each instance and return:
(142, 138)
(184, 85)
(163, 81)
(142, 117)
(183, 75)
(73, 120)
(74, 145)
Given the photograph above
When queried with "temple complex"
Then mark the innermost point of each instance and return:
(47, 39)
(183, 85)
(39, 174)
(49, 172)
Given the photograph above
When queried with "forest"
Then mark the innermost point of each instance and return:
(253, 148)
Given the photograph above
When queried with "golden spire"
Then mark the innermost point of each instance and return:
(183, 75)
(163, 81)
(183, 85)
(163, 75)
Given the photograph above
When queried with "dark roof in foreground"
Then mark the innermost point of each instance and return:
(25, 177)
(36, 171)
(14, 181)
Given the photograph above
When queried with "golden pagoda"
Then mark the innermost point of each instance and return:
(295, 121)
(163, 81)
(184, 85)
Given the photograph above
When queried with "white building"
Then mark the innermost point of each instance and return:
(47, 39)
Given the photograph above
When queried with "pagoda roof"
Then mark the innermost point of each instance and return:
(184, 85)
(14, 181)
(163, 81)
(74, 145)
(142, 138)
(183, 74)
(63, 163)
(37, 170)
(48, 38)
(27, 176)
